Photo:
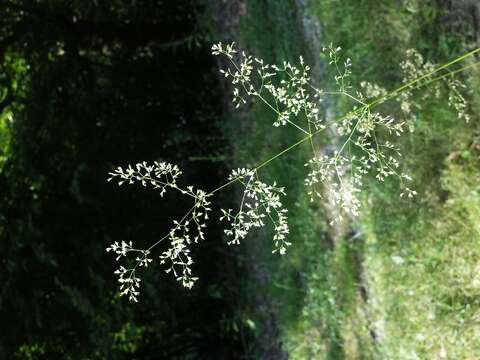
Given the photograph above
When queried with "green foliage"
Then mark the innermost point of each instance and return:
(270, 285)
(84, 86)
(413, 293)
(31, 352)
(349, 297)
(5, 137)
(128, 339)
(422, 258)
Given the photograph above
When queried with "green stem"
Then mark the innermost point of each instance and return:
(395, 92)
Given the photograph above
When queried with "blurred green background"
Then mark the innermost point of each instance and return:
(89, 85)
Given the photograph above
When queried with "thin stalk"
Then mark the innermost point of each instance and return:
(372, 104)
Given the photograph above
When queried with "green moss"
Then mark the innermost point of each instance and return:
(408, 286)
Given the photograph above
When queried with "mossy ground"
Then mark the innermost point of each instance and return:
(408, 287)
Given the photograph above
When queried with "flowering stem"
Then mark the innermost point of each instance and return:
(372, 104)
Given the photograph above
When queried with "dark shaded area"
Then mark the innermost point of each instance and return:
(86, 86)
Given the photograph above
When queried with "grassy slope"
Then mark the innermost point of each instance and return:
(418, 260)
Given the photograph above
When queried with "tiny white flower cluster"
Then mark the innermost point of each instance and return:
(228, 49)
(188, 230)
(288, 92)
(240, 75)
(344, 171)
(343, 74)
(285, 89)
(177, 256)
(367, 123)
(413, 67)
(331, 170)
(160, 175)
(456, 100)
(408, 192)
(371, 91)
(129, 283)
(260, 202)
